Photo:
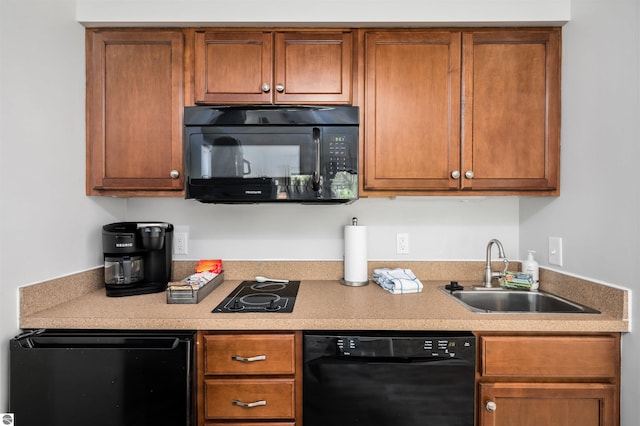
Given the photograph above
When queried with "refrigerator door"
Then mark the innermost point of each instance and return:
(80, 378)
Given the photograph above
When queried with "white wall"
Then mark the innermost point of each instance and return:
(439, 229)
(597, 213)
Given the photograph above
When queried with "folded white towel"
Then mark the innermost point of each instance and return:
(397, 281)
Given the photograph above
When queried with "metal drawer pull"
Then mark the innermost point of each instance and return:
(491, 406)
(248, 404)
(250, 359)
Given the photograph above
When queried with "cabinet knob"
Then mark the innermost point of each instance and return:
(280, 87)
(491, 406)
(265, 87)
(174, 174)
(455, 174)
(468, 174)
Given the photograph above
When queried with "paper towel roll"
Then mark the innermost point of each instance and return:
(355, 255)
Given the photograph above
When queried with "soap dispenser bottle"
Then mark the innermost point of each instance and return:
(531, 267)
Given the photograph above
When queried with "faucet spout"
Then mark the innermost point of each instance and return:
(489, 274)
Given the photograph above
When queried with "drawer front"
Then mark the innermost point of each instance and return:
(249, 354)
(250, 424)
(249, 399)
(550, 356)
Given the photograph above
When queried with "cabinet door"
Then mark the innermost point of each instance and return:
(511, 114)
(412, 110)
(549, 404)
(313, 67)
(233, 67)
(134, 111)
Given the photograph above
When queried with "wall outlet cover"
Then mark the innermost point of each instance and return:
(555, 251)
(402, 244)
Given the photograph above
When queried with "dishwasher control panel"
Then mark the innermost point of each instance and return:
(406, 346)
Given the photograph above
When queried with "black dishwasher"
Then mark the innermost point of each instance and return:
(101, 378)
(389, 378)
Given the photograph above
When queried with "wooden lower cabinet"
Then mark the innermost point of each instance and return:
(249, 379)
(523, 379)
(551, 380)
(558, 404)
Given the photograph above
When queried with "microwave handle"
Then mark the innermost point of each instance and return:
(315, 183)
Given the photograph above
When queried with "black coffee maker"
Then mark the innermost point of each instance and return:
(137, 257)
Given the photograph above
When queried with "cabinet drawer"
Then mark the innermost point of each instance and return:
(250, 424)
(249, 354)
(266, 398)
(573, 357)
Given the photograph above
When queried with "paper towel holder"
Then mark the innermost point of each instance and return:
(355, 283)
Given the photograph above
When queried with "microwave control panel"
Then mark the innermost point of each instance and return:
(340, 157)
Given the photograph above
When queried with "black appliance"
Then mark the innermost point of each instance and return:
(254, 154)
(254, 296)
(389, 378)
(137, 257)
(102, 378)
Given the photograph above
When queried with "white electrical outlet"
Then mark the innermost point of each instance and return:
(402, 243)
(555, 251)
(180, 240)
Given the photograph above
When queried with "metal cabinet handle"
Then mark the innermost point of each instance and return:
(491, 406)
(468, 174)
(249, 359)
(315, 179)
(455, 174)
(174, 174)
(249, 404)
(266, 87)
(280, 87)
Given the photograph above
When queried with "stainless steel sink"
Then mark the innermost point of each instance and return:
(517, 301)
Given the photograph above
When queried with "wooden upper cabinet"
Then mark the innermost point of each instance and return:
(233, 67)
(511, 113)
(239, 67)
(412, 110)
(313, 67)
(449, 111)
(134, 112)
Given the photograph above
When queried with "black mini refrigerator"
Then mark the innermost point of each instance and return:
(102, 378)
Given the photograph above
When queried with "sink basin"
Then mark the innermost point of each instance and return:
(517, 301)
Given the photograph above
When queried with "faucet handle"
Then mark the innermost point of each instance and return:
(506, 266)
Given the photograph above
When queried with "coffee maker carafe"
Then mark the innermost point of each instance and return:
(137, 257)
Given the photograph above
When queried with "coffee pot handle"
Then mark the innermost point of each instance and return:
(126, 269)
(246, 171)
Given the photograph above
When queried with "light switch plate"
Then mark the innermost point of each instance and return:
(555, 251)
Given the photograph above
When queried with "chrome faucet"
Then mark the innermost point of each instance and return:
(489, 275)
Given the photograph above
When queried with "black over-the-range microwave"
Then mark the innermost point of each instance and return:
(256, 154)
